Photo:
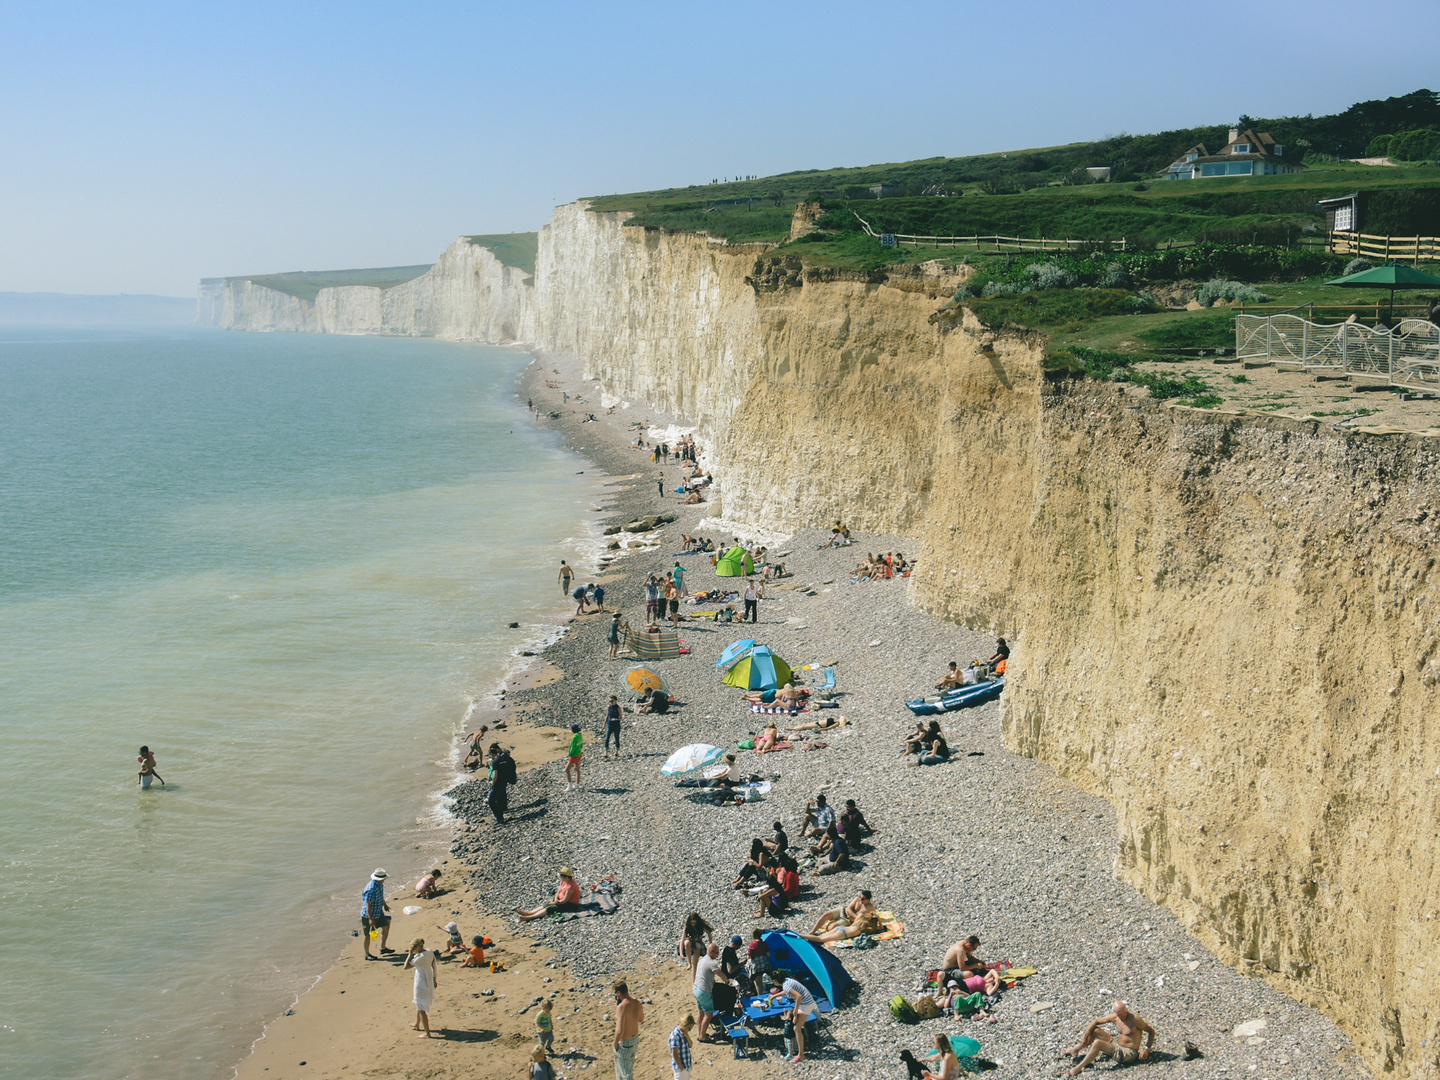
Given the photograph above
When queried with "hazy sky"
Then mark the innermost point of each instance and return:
(143, 146)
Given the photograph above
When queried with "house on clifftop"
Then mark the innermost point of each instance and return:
(1248, 153)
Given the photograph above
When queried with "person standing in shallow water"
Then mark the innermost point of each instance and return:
(147, 771)
(566, 573)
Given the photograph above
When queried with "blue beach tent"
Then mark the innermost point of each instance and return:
(735, 651)
(814, 965)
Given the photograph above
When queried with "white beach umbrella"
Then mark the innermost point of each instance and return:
(692, 757)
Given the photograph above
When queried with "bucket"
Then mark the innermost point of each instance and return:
(374, 935)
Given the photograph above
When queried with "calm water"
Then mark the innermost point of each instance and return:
(286, 563)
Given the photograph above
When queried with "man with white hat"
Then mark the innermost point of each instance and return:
(375, 914)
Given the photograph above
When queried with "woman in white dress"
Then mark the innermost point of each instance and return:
(423, 960)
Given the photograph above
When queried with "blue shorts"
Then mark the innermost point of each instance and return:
(705, 1003)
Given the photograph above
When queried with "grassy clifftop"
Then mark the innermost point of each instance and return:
(306, 284)
(513, 249)
(1045, 192)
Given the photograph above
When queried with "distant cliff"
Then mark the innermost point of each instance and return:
(1226, 624)
(467, 295)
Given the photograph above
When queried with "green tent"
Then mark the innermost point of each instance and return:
(735, 563)
(760, 669)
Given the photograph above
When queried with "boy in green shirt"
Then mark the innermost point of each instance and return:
(545, 1027)
(577, 751)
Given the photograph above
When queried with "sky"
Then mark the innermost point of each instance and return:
(144, 146)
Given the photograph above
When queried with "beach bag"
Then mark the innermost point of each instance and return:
(900, 1009)
(747, 744)
(925, 1008)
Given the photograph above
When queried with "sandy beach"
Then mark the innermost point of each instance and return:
(990, 843)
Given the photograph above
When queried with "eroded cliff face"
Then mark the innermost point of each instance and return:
(468, 295)
(1226, 624)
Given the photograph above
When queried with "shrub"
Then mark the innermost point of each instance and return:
(1230, 291)
(1422, 144)
(1356, 266)
(1003, 288)
(1115, 276)
(1048, 275)
(1164, 387)
(1139, 304)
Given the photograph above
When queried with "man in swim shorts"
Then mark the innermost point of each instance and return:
(1124, 1048)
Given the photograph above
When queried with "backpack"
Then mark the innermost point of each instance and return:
(900, 1009)
(925, 1008)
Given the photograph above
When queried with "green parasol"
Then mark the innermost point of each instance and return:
(1390, 277)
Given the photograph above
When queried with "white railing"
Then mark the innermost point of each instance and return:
(1407, 356)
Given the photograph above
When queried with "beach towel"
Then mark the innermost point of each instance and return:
(772, 711)
(602, 902)
(779, 746)
(894, 928)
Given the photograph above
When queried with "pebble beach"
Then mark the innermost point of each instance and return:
(991, 843)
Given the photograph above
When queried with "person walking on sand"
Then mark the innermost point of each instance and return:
(426, 981)
(752, 603)
(502, 775)
(572, 763)
(612, 726)
(660, 483)
(629, 1015)
(375, 914)
(566, 573)
(147, 771)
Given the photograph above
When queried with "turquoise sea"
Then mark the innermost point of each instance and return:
(286, 563)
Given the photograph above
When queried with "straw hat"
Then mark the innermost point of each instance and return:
(566, 871)
(379, 875)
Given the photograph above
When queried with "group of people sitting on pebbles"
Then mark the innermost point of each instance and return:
(877, 567)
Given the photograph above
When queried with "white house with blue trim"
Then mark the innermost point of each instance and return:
(1248, 153)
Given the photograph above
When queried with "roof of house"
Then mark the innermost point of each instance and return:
(1262, 145)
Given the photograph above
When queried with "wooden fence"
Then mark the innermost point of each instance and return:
(999, 243)
(1409, 249)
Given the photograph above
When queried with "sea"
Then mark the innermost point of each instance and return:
(286, 563)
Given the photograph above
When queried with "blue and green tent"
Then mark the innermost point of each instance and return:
(759, 669)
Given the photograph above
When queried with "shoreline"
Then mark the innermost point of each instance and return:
(991, 843)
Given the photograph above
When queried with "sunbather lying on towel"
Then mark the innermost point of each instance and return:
(855, 911)
(768, 738)
(868, 925)
(825, 723)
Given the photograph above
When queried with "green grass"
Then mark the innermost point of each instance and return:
(513, 249)
(306, 284)
(1205, 332)
(1061, 309)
